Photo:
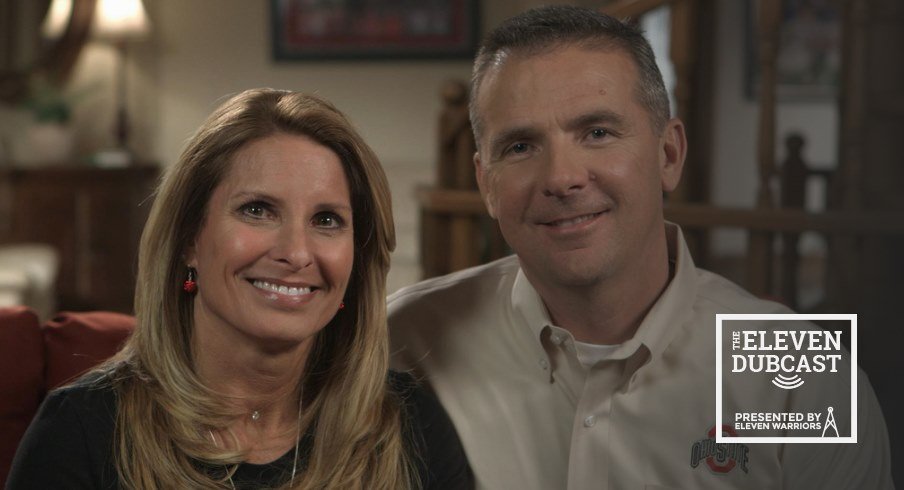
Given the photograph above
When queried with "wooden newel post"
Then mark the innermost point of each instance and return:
(456, 141)
(794, 174)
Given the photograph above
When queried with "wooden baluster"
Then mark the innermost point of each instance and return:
(760, 243)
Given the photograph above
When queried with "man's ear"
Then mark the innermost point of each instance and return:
(480, 171)
(673, 152)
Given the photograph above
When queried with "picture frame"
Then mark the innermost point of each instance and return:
(808, 64)
(373, 29)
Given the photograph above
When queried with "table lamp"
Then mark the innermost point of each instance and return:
(120, 22)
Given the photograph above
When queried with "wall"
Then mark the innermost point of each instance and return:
(201, 51)
(209, 49)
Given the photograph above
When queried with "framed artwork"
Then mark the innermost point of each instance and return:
(808, 66)
(373, 29)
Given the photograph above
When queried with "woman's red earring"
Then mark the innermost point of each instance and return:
(190, 286)
(341, 305)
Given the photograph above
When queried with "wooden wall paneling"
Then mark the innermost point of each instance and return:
(692, 52)
(870, 268)
(684, 55)
(622, 9)
(760, 253)
(844, 250)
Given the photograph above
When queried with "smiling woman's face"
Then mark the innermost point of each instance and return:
(276, 248)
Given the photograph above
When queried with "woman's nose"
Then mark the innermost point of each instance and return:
(293, 246)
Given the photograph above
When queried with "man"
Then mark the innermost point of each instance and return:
(587, 360)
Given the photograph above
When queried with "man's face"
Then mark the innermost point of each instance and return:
(571, 165)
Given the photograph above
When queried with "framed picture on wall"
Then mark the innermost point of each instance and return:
(373, 29)
(808, 66)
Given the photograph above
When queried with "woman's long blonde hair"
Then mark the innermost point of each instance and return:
(165, 409)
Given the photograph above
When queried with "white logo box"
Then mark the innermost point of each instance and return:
(851, 318)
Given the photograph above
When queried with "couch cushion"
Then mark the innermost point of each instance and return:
(76, 342)
(21, 378)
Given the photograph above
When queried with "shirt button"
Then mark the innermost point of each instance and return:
(558, 338)
(590, 421)
(544, 364)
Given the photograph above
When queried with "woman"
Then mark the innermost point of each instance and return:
(260, 354)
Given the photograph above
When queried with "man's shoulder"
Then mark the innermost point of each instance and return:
(725, 296)
(458, 289)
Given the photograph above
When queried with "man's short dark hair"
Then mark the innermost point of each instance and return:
(544, 29)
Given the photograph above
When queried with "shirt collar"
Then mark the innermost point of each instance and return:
(661, 323)
(675, 304)
(527, 303)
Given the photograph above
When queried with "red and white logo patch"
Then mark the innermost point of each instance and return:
(720, 458)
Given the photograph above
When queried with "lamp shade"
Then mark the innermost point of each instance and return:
(57, 18)
(120, 20)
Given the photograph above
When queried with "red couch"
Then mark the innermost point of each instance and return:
(35, 358)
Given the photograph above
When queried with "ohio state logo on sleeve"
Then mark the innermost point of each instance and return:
(720, 458)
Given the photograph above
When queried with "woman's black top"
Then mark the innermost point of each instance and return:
(70, 443)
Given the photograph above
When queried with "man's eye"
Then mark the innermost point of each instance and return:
(519, 148)
(598, 133)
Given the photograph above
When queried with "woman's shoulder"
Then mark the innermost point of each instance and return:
(93, 393)
(84, 408)
(420, 405)
(91, 384)
(72, 433)
(436, 448)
